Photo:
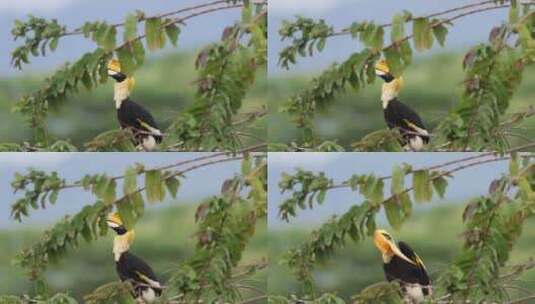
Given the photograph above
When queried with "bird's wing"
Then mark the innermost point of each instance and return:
(406, 114)
(138, 115)
(141, 271)
(408, 252)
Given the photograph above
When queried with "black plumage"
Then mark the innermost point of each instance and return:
(131, 268)
(132, 115)
(398, 269)
(400, 116)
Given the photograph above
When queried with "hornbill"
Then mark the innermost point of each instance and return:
(398, 115)
(130, 114)
(130, 267)
(402, 264)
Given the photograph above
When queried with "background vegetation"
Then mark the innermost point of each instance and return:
(165, 85)
(433, 233)
(164, 238)
(433, 86)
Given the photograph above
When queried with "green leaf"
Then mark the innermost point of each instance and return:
(126, 59)
(513, 12)
(126, 213)
(423, 39)
(109, 194)
(172, 184)
(393, 214)
(108, 40)
(422, 186)
(440, 184)
(172, 32)
(393, 59)
(130, 181)
(154, 187)
(398, 180)
(53, 196)
(246, 165)
(54, 43)
(406, 52)
(440, 32)
(130, 27)
(139, 52)
(397, 32)
(320, 198)
(154, 34)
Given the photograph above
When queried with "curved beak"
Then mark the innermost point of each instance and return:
(388, 247)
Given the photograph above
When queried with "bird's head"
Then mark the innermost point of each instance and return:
(387, 246)
(114, 71)
(382, 70)
(114, 222)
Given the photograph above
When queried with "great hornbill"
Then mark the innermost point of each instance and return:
(146, 286)
(403, 265)
(130, 114)
(397, 114)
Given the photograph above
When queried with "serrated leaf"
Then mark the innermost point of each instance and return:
(139, 52)
(153, 186)
(54, 44)
(109, 194)
(130, 181)
(154, 34)
(130, 27)
(440, 32)
(393, 214)
(440, 184)
(53, 197)
(406, 52)
(108, 40)
(393, 59)
(172, 32)
(423, 39)
(397, 32)
(246, 165)
(513, 12)
(320, 198)
(126, 59)
(422, 186)
(398, 180)
(172, 184)
(126, 212)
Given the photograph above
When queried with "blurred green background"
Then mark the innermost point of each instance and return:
(165, 85)
(164, 238)
(433, 85)
(433, 233)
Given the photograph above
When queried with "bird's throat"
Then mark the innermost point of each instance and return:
(121, 244)
(121, 91)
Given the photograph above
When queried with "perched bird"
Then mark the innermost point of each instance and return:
(130, 267)
(398, 115)
(403, 265)
(130, 114)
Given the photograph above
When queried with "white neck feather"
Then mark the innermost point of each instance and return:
(120, 93)
(389, 92)
(121, 244)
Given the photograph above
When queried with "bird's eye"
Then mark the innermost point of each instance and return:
(387, 236)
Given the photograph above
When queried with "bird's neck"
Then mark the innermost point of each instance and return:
(390, 91)
(387, 257)
(121, 244)
(121, 91)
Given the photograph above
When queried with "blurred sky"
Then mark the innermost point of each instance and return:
(466, 183)
(199, 184)
(341, 13)
(73, 13)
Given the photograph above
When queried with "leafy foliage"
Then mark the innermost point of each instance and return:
(225, 224)
(493, 223)
(493, 72)
(227, 70)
